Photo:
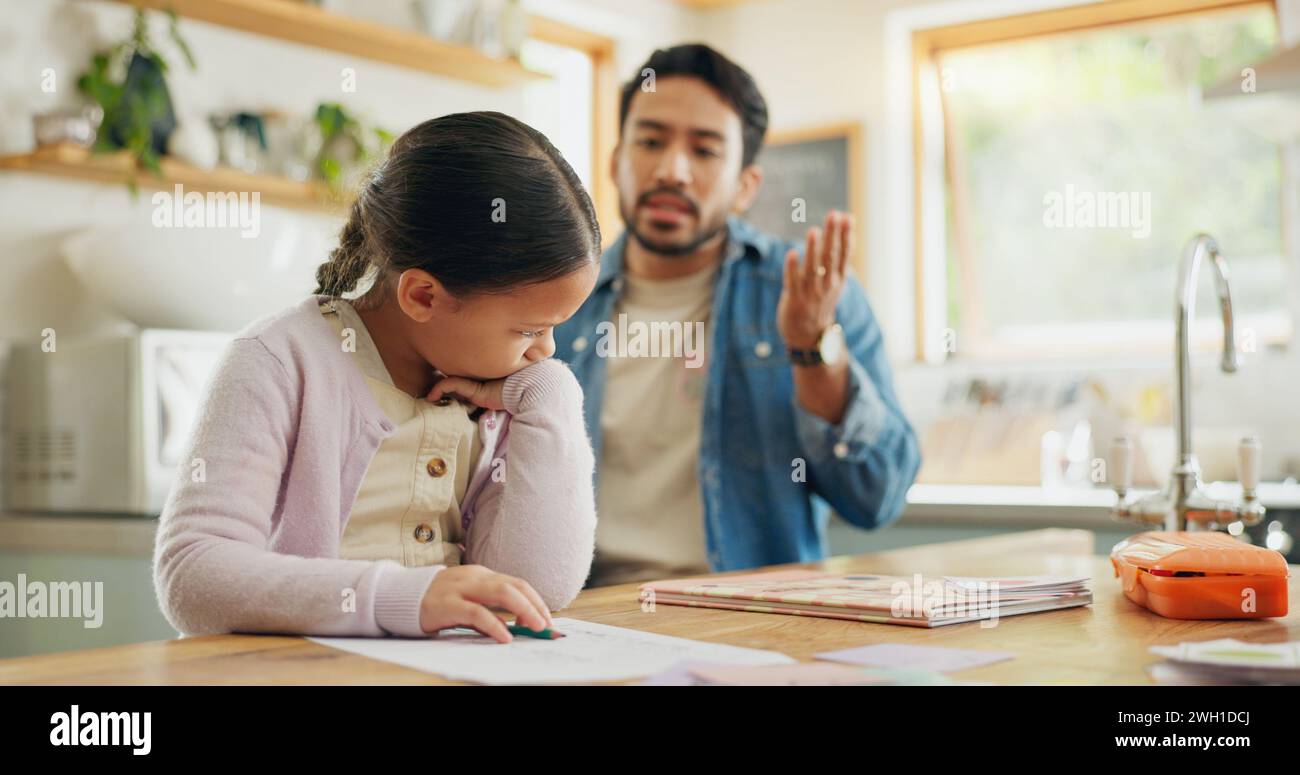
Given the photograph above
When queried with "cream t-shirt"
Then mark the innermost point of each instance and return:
(408, 506)
(649, 503)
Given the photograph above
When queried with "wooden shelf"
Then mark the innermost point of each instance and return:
(72, 161)
(299, 22)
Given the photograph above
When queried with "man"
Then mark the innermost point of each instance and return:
(727, 458)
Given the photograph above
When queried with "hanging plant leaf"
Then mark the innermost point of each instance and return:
(138, 113)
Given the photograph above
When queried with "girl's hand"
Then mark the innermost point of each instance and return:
(462, 596)
(484, 394)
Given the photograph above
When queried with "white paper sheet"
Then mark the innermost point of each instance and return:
(588, 652)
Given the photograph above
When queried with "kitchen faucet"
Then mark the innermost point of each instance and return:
(1184, 504)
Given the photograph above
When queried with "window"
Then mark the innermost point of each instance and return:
(547, 37)
(1075, 165)
(562, 106)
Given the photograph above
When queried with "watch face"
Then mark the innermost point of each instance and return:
(831, 344)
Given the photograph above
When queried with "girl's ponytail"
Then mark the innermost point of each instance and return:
(349, 261)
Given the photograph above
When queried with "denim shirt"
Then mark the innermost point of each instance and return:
(768, 468)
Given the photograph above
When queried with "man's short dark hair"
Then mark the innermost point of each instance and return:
(727, 78)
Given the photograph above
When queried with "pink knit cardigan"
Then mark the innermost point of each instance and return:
(248, 539)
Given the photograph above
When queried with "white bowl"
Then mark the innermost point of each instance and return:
(209, 279)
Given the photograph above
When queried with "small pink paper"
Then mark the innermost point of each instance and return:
(933, 658)
(681, 675)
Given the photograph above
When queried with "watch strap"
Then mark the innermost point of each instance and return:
(804, 357)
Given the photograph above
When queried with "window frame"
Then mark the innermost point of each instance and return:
(602, 51)
(931, 174)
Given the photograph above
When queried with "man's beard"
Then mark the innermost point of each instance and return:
(671, 250)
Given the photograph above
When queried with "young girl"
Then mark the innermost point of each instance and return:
(408, 460)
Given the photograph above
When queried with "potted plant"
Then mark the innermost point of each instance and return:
(129, 83)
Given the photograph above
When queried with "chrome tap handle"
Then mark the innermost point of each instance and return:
(1248, 466)
(1248, 510)
(1121, 465)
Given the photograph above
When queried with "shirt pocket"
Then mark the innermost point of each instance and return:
(754, 394)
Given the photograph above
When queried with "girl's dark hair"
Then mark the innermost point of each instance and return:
(481, 201)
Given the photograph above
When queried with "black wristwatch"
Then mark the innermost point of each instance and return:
(829, 350)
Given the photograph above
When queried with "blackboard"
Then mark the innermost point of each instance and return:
(818, 166)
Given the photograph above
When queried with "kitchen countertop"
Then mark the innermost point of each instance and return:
(1105, 643)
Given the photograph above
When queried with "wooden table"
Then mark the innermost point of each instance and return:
(1105, 643)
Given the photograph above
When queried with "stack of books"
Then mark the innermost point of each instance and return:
(914, 601)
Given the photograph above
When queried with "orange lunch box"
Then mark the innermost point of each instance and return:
(1203, 575)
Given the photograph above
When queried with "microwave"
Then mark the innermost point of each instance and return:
(100, 424)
